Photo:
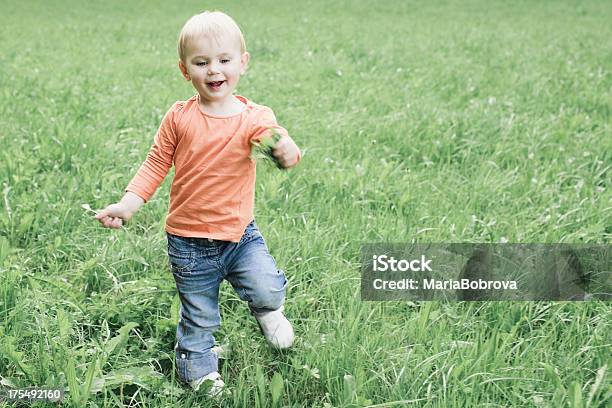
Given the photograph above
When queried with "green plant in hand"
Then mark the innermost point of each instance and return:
(263, 149)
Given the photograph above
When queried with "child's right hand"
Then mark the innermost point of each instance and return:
(114, 216)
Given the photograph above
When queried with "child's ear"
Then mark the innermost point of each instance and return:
(183, 69)
(244, 62)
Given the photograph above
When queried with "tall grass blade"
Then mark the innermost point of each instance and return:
(276, 388)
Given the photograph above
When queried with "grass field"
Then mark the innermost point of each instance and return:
(449, 121)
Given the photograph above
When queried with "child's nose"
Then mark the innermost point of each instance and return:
(213, 68)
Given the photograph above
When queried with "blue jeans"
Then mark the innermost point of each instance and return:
(198, 266)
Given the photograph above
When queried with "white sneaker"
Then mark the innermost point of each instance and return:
(214, 378)
(276, 328)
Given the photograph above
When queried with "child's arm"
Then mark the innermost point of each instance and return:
(116, 214)
(287, 153)
(273, 141)
(150, 175)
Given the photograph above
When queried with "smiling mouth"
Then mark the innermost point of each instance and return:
(216, 84)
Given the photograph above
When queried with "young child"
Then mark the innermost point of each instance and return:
(210, 228)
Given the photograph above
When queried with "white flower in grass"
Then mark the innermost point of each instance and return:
(312, 371)
(359, 170)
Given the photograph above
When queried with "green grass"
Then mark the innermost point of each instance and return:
(456, 121)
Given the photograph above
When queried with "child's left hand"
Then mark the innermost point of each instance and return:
(286, 152)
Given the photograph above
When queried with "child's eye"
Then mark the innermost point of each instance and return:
(225, 61)
(201, 63)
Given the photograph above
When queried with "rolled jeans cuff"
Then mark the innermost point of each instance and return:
(191, 366)
(261, 312)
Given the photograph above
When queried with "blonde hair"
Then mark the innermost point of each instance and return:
(212, 24)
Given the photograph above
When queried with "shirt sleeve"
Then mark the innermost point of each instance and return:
(264, 125)
(159, 159)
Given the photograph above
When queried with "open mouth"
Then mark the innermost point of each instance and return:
(215, 85)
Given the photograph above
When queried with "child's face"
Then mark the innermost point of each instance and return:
(214, 67)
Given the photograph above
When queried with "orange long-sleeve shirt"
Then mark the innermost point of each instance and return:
(213, 190)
